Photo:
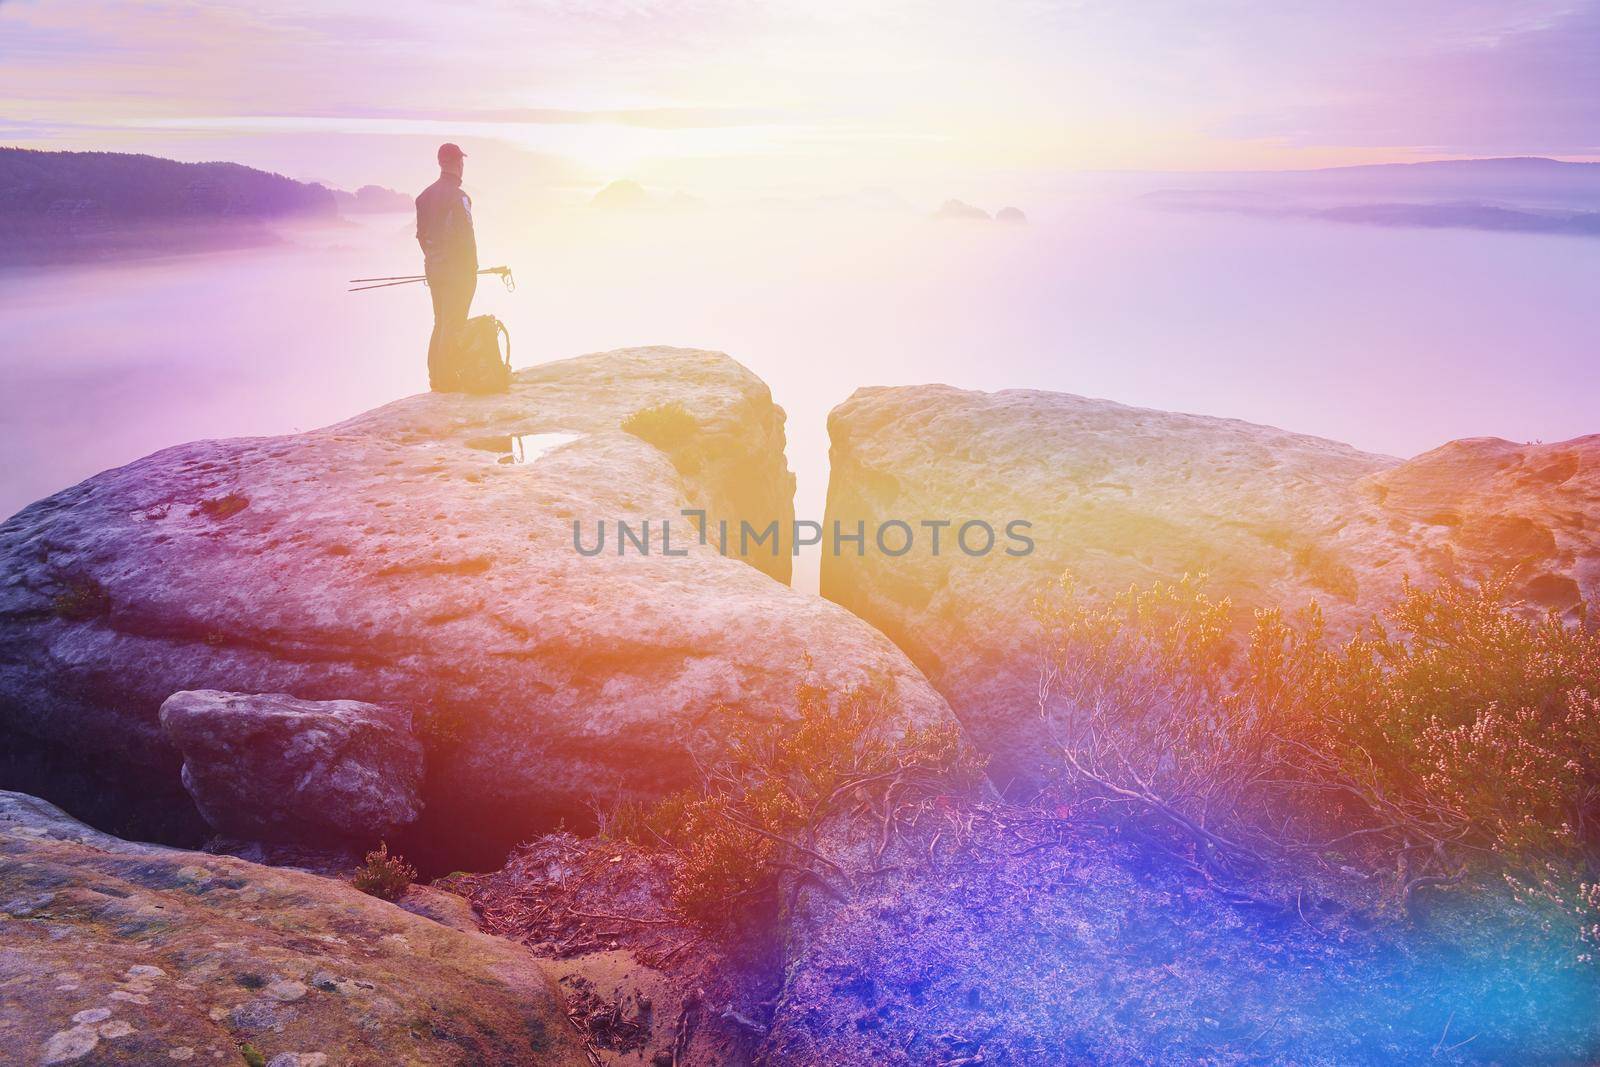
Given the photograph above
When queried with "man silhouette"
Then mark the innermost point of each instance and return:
(450, 261)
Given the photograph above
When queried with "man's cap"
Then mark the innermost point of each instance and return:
(450, 150)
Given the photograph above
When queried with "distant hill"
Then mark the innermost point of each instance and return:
(1524, 180)
(960, 209)
(1529, 194)
(622, 195)
(371, 200)
(1519, 167)
(66, 206)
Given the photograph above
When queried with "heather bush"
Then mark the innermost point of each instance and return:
(1134, 694)
(668, 426)
(1464, 732)
(773, 784)
(1457, 738)
(660, 824)
(672, 429)
(384, 876)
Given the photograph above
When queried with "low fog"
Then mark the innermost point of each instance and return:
(1394, 340)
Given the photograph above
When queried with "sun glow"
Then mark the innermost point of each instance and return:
(762, 99)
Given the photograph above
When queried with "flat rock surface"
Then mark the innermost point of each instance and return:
(403, 557)
(1124, 495)
(119, 953)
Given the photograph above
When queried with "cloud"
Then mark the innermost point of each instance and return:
(889, 92)
(654, 118)
(1531, 88)
(647, 118)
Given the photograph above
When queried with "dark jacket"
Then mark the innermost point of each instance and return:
(444, 228)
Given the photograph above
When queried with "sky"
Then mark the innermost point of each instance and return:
(721, 98)
(1393, 339)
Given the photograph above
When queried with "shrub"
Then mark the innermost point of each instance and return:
(1133, 695)
(1468, 733)
(673, 430)
(384, 876)
(942, 750)
(667, 426)
(1457, 738)
(648, 824)
(724, 863)
(625, 822)
(1561, 901)
(772, 786)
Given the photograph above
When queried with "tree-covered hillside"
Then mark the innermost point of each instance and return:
(59, 206)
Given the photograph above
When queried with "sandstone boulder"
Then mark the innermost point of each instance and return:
(270, 767)
(422, 555)
(1124, 495)
(119, 953)
(1484, 503)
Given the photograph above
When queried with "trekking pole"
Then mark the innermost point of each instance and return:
(504, 273)
(385, 285)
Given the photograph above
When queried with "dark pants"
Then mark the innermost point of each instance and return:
(452, 300)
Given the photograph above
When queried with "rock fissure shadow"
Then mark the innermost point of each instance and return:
(102, 795)
(98, 793)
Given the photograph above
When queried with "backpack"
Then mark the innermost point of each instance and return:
(479, 365)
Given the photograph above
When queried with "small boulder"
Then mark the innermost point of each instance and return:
(271, 767)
